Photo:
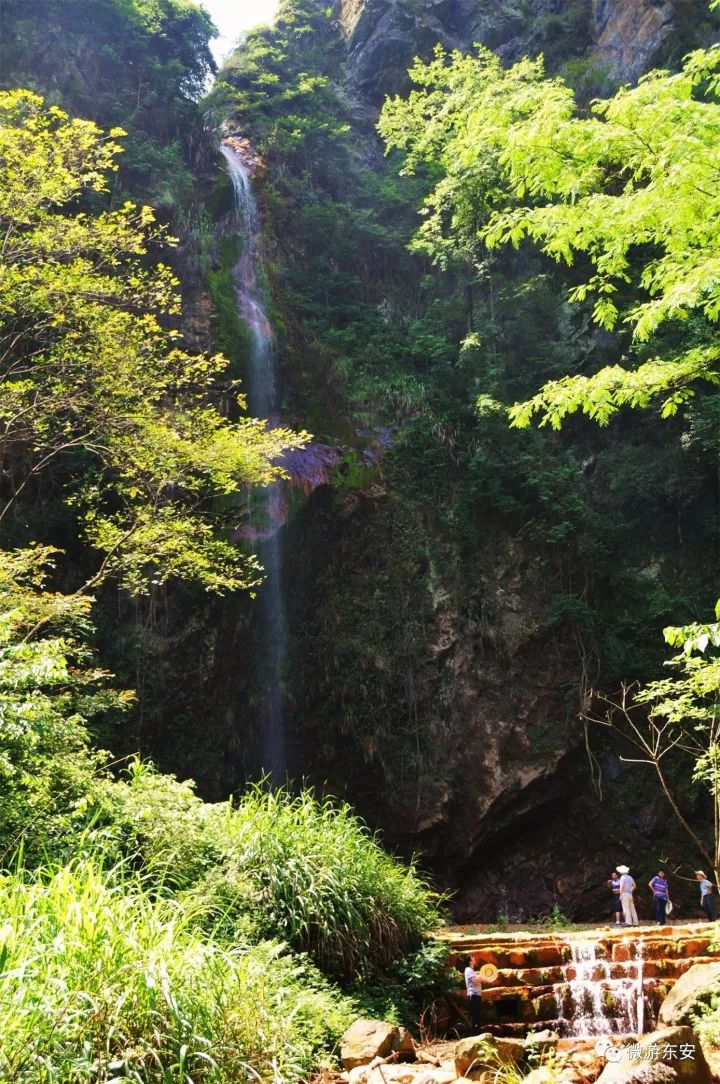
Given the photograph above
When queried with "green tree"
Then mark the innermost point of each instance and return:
(140, 64)
(96, 388)
(50, 690)
(627, 193)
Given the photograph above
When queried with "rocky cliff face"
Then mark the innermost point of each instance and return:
(383, 36)
(628, 34)
(624, 37)
(446, 709)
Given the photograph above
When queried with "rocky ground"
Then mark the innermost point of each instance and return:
(375, 1052)
(667, 1056)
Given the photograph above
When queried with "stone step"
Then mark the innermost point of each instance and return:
(667, 968)
(535, 972)
(467, 942)
(559, 954)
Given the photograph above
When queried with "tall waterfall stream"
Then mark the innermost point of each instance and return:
(262, 402)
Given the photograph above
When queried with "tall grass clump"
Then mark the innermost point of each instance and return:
(100, 979)
(321, 881)
(276, 865)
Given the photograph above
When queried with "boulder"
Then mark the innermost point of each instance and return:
(392, 1073)
(473, 1051)
(692, 987)
(365, 1040)
(403, 1046)
(671, 1056)
(480, 1053)
(510, 1051)
(581, 1065)
(435, 1076)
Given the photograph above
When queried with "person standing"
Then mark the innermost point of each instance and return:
(473, 987)
(627, 887)
(706, 897)
(614, 884)
(659, 888)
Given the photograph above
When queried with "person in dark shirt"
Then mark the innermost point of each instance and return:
(614, 884)
(661, 893)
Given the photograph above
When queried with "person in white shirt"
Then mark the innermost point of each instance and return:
(473, 987)
(627, 887)
(706, 898)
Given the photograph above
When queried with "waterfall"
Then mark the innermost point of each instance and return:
(639, 993)
(592, 1002)
(262, 402)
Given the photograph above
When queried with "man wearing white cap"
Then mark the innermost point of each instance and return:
(706, 899)
(627, 887)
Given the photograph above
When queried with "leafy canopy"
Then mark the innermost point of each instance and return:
(96, 388)
(628, 193)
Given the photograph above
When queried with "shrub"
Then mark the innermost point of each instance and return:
(323, 883)
(160, 823)
(49, 690)
(276, 865)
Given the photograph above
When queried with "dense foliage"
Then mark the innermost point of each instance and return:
(274, 865)
(137, 64)
(166, 948)
(49, 691)
(102, 978)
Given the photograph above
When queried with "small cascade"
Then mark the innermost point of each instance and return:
(270, 514)
(597, 1000)
(639, 990)
(584, 986)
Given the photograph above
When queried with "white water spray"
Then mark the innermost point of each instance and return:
(592, 1002)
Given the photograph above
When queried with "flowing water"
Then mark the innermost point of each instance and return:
(262, 402)
(592, 1002)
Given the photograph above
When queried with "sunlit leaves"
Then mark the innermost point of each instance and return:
(600, 396)
(695, 637)
(49, 690)
(629, 189)
(92, 374)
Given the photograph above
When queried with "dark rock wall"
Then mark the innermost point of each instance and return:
(431, 679)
